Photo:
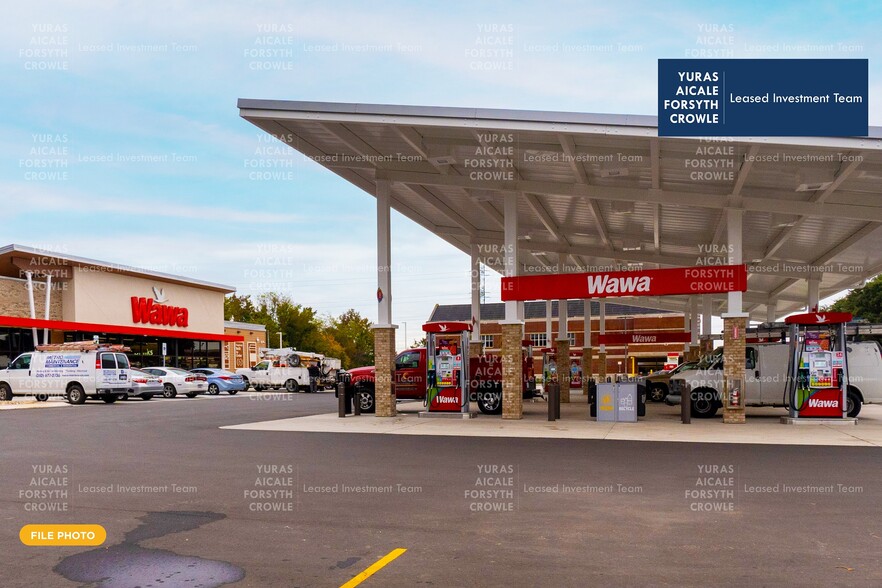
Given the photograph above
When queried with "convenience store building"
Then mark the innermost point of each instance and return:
(47, 296)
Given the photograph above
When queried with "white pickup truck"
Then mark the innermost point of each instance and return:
(765, 378)
(289, 372)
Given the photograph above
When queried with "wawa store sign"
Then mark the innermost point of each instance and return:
(662, 282)
(155, 311)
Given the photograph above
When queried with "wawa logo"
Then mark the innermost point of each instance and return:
(154, 311)
(816, 403)
(603, 284)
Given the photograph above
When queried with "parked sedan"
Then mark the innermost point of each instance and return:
(145, 385)
(176, 380)
(221, 380)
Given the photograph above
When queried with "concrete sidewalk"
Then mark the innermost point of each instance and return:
(662, 423)
(31, 402)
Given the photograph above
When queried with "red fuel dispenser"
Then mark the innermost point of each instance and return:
(818, 366)
(447, 366)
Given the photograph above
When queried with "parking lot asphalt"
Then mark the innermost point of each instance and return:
(186, 503)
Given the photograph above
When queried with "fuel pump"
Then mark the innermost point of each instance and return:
(817, 374)
(549, 365)
(447, 366)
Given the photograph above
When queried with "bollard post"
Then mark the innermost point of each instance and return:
(551, 394)
(557, 401)
(341, 400)
(686, 406)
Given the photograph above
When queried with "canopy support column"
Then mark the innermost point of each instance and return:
(513, 325)
(384, 330)
(734, 327)
(587, 350)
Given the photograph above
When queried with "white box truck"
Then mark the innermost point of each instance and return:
(765, 378)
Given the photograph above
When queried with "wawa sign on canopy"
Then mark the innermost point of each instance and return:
(661, 282)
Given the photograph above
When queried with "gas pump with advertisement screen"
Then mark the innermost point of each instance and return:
(549, 365)
(447, 366)
(818, 367)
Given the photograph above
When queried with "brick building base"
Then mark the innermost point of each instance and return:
(512, 385)
(587, 357)
(476, 348)
(384, 361)
(734, 334)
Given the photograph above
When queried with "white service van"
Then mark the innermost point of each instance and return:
(73, 374)
(765, 378)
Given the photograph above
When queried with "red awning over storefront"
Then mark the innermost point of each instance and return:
(12, 321)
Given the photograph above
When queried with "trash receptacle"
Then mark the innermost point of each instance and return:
(618, 402)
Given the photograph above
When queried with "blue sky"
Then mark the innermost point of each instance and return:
(120, 82)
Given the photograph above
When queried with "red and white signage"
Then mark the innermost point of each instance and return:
(662, 282)
(447, 400)
(819, 318)
(646, 338)
(446, 327)
(823, 403)
(154, 311)
(673, 361)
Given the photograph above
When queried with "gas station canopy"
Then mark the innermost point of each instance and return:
(597, 192)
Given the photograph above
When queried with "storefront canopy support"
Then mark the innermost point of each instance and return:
(30, 277)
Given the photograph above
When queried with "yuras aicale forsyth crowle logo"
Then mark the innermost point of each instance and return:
(154, 311)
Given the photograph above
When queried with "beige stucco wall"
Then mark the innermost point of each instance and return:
(14, 298)
(105, 297)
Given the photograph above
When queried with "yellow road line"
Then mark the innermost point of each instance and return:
(381, 563)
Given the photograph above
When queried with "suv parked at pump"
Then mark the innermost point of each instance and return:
(70, 372)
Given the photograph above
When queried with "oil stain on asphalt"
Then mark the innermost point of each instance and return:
(127, 564)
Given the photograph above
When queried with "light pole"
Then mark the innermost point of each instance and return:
(280, 339)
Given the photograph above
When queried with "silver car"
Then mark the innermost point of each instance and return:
(146, 385)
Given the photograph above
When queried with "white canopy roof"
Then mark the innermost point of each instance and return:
(605, 189)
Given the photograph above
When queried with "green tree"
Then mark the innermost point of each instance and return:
(348, 337)
(354, 334)
(240, 308)
(299, 325)
(864, 303)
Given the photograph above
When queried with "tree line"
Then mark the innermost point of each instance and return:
(864, 302)
(347, 337)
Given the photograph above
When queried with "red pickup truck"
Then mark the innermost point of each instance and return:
(485, 375)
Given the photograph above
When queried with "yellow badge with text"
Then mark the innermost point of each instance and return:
(62, 535)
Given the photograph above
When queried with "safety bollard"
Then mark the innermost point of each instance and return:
(686, 407)
(557, 403)
(341, 400)
(552, 391)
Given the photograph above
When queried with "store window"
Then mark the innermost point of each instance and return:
(539, 339)
(14, 342)
(487, 341)
(572, 339)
